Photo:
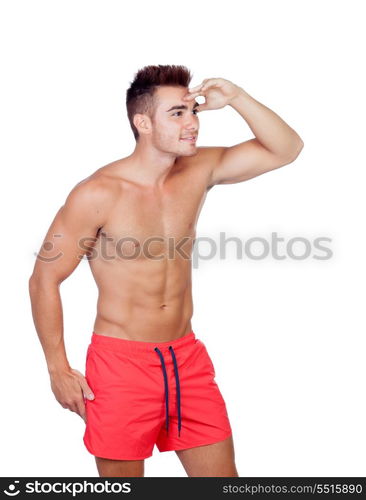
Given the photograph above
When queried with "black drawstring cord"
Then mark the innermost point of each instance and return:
(167, 389)
(178, 388)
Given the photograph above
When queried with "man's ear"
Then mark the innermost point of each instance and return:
(142, 123)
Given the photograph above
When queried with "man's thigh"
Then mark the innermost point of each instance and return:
(212, 460)
(119, 468)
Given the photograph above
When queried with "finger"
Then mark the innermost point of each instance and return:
(78, 407)
(212, 82)
(192, 96)
(73, 407)
(87, 392)
(194, 89)
(81, 410)
(201, 107)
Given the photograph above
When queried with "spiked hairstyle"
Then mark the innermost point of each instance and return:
(140, 95)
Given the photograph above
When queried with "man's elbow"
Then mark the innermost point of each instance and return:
(298, 148)
(300, 145)
(33, 284)
(38, 281)
(295, 150)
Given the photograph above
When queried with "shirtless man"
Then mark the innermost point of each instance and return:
(148, 379)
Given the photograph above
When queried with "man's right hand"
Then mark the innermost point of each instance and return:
(70, 388)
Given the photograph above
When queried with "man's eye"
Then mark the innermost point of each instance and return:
(195, 111)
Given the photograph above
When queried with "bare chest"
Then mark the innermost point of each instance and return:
(154, 221)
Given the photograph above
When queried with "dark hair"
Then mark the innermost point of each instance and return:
(140, 95)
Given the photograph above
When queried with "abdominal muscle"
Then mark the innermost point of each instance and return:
(144, 300)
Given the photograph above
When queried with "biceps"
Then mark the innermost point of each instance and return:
(63, 248)
(244, 161)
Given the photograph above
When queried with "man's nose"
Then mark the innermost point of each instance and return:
(191, 123)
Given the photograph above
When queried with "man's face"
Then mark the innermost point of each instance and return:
(174, 122)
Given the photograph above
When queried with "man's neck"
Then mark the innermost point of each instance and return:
(149, 166)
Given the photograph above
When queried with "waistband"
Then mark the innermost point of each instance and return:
(126, 345)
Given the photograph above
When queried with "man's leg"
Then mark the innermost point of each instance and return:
(212, 460)
(119, 468)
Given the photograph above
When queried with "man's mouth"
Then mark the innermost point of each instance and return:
(191, 138)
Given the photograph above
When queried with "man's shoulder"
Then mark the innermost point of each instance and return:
(96, 189)
(204, 162)
(205, 155)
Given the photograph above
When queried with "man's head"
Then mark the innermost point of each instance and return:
(157, 112)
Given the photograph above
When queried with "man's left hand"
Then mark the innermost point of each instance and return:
(217, 92)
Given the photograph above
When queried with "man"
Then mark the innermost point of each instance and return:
(148, 379)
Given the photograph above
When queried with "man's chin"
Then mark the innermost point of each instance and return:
(188, 151)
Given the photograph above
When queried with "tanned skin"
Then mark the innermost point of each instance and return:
(127, 218)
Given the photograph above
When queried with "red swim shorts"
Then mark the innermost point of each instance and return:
(149, 393)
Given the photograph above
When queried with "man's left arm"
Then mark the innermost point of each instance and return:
(275, 144)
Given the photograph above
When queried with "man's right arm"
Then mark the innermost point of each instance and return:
(80, 217)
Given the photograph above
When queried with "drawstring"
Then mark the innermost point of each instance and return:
(167, 389)
(178, 388)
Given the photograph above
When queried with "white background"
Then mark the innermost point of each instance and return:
(287, 337)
